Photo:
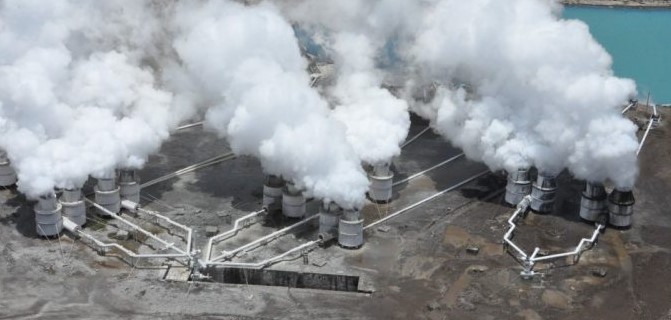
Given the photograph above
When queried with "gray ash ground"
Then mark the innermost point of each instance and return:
(422, 265)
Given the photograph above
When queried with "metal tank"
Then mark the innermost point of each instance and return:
(7, 173)
(329, 216)
(543, 193)
(129, 185)
(48, 219)
(593, 201)
(519, 185)
(350, 229)
(293, 201)
(621, 208)
(381, 181)
(107, 195)
(272, 193)
(73, 205)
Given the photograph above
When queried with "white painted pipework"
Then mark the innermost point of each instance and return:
(645, 135)
(412, 206)
(237, 225)
(259, 265)
(191, 168)
(167, 245)
(411, 140)
(427, 170)
(265, 239)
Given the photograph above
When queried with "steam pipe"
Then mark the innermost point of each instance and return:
(522, 207)
(259, 265)
(190, 125)
(584, 242)
(427, 170)
(191, 168)
(631, 104)
(236, 227)
(411, 140)
(138, 228)
(645, 136)
(189, 231)
(75, 229)
(412, 206)
(530, 260)
(228, 254)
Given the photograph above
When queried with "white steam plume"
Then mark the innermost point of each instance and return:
(246, 61)
(542, 91)
(75, 98)
(358, 34)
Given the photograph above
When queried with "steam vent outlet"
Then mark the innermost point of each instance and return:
(543, 193)
(350, 229)
(129, 185)
(293, 201)
(329, 217)
(73, 206)
(621, 208)
(107, 195)
(519, 185)
(48, 219)
(381, 180)
(272, 193)
(593, 201)
(7, 173)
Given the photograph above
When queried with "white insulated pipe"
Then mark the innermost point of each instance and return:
(228, 254)
(429, 169)
(412, 206)
(415, 137)
(237, 225)
(262, 264)
(75, 229)
(645, 136)
(191, 168)
(167, 245)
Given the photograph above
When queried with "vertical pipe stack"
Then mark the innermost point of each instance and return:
(7, 173)
(73, 205)
(593, 201)
(350, 229)
(48, 220)
(519, 185)
(129, 185)
(272, 193)
(543, 193)
(329, 217)
(621, 208)
(107, 195)
(293, 201)
(381, 180)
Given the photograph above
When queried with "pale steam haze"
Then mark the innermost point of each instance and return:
(355, 33)
(248, 64)
(75, 99)
(87, 87)
(536, 90)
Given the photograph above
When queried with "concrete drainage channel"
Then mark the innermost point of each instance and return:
(283, 278)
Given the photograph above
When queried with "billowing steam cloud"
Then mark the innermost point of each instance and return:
(90, 86)
(75, 99)
(543, 92)
(356, 34)
(249, 66)
(520, 87)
